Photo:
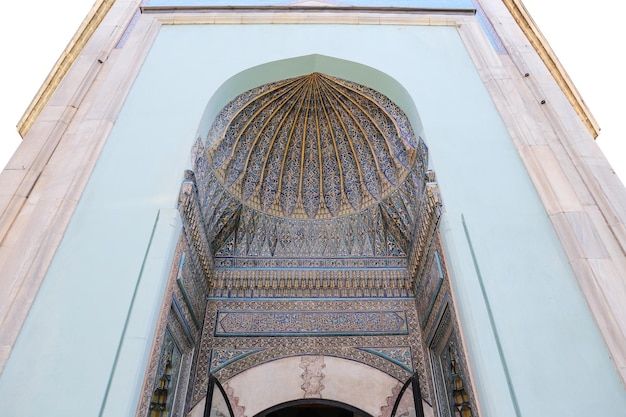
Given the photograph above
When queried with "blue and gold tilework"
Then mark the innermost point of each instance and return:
(312, 147)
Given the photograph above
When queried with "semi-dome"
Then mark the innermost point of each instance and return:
(311, 147)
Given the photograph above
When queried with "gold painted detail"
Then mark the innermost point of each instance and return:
(190, 212)
(63, 64)
(362, 253)
(311, 147)
(320, 283)
(426, 225)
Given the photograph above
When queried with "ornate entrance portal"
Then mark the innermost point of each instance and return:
(310, 253)
(305, 256)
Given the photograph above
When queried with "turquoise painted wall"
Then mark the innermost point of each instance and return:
(534, 348)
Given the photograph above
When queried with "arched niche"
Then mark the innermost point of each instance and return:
(297, 66)
(312, 379)
(279, 375)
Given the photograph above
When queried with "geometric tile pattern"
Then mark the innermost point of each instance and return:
(387, 352)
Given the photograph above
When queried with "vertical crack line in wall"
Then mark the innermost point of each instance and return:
(128, 314)
(491, 319)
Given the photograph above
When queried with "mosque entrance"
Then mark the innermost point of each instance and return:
(310, 265)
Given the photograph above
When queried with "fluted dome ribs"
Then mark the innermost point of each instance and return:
(311, 147)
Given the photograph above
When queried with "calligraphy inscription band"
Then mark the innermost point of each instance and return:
(319, 323)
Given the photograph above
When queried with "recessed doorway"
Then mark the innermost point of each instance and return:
(313, 408)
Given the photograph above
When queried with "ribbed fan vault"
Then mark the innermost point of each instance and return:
(311, 147)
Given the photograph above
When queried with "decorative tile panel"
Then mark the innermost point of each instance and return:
(430, 209)
(428, 286)
(346, 346)
(329, 263)
(384, 236)
(452, 387)
(194, 228)
(311, 283)
(400, 355)
(314, 222)
(223, 357)
(378, 224)
(307, 323)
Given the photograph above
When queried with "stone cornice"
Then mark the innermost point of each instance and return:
(63, 64)
(547, 55)
(308, 9)
(101, 7)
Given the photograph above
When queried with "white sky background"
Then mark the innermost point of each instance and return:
(587, 37)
